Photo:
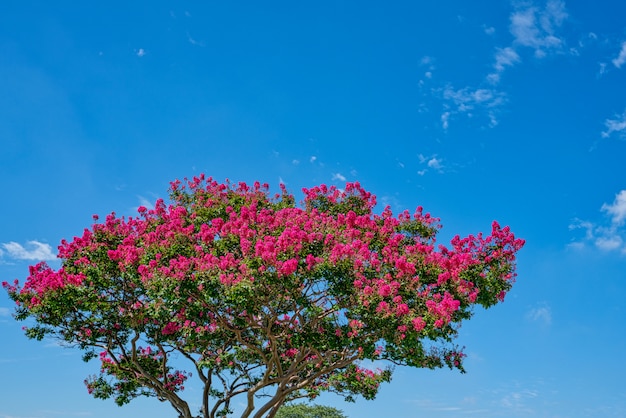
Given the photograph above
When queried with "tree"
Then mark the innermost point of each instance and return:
(302, 410)
(262, 298)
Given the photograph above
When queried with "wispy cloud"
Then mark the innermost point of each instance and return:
(607, 235)
(4, 311)
(193, 41)
(469, 101)
(501, 400)
(145, 202)
(431, 162)
(429, 64)
(445, 120)
(615, 126)
(621, 58)
(531, 27)
(517, 400)
(504, 57)
(536, 27)
(140, 52)
(617, 209)
(338, 176)
(489, 30)
(435, 163)
(541, 314)
(34, 250)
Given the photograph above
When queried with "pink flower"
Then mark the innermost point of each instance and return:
(418, 324)
(170, 328)
(289, 267)
(402, 309)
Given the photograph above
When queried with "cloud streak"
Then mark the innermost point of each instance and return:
(505, 57)
(338, 176)
(615, 126)
(621, 58)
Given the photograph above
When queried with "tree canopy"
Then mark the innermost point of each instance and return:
(302, 410)
(251, 295)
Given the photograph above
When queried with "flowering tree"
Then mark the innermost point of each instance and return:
(262, 298)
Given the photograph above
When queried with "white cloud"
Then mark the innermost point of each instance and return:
(617, 125)
(517, 400)
(445, 116)
(426, 60)
(505, 57)
(36, 251)
(584, 225)
(608, 235)
(338, 176)
(536, 28)
(431, 162)
(609, 242)
(145, 202)
(312, 159)
(542, 314)
(141, 52)
(435, 163)
(467, 99)
(621, 58)
(470, 101)
(617, 209)
(532, 27)
(192, 41)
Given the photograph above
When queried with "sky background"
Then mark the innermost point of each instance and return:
(513, 111)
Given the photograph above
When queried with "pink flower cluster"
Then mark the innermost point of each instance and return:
(43, 279)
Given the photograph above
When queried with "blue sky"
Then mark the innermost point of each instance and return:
(514, 111)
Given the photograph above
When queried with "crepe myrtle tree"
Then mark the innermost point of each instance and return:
(263, 299)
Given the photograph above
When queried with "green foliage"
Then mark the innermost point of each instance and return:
(302, 410)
